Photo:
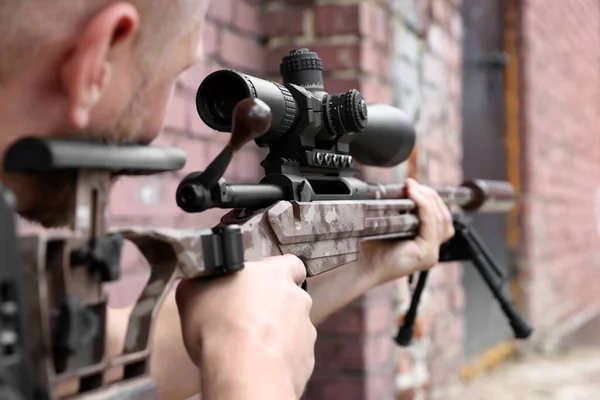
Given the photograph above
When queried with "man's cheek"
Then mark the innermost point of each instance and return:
(171, 110)
(160, 114)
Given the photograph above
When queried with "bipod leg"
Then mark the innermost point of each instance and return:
(466, 244)
(405, 333)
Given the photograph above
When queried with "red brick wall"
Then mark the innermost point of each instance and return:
(561, 100)
(406, 53)
(426, 76)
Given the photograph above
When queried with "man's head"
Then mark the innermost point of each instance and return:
(100, 68)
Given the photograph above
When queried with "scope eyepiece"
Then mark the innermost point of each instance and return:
(218, 95)
(222, 90)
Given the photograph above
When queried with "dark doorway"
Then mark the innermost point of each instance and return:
(484, 152)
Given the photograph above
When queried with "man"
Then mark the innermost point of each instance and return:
(106, 69)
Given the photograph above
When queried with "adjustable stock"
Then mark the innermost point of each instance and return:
(66, 270)
(16, 368)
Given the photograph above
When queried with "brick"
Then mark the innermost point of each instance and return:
(380, 386)
(406, 44)
(375, 92)
(456, 27)
(167, 138)
(436, 39)
(132, 260)
(374, 23)
(408, 394)
(405, 362)
(246, 166)
(247, 17)
(379, 175)
(377, 319)
(452, 55)
(206, 219)
(334, 19)
(177, 116)
(197, 154)
(221, 10)
(433, 71)
(378, 352)
(346, 351)
(274, 56)
(405, 77)
(346, 322)
(283, 22)
(210, 40)
(414, 13)
(214, 147)
(544, 109)
(239, 51)
(338, 57)
(436, 172)
(441, 12)
(193, 77)
(140, 196)
(341, 85)
(440, 301)
(374, 62)
(348, 388)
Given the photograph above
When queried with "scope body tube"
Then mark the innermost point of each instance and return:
(386, 140)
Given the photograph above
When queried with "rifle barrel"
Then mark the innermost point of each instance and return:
(475, 195)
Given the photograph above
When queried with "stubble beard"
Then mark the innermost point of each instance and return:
(54, 193)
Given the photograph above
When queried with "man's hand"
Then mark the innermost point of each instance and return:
(389, 260)
(250, 333)
(383, 261)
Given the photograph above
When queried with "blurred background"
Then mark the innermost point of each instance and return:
(505, 90)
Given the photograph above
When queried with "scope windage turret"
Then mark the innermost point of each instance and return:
(303, 113)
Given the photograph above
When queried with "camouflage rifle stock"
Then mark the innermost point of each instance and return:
(65, 271)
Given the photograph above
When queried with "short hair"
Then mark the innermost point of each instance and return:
(26, 26)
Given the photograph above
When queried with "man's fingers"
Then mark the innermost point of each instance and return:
(425, 208)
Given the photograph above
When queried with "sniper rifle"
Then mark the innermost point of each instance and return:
(310, 202)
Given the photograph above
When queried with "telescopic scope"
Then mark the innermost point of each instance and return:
(375, 134)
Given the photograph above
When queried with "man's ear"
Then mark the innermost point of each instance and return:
(87, 69)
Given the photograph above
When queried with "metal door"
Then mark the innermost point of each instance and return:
(484, 157)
